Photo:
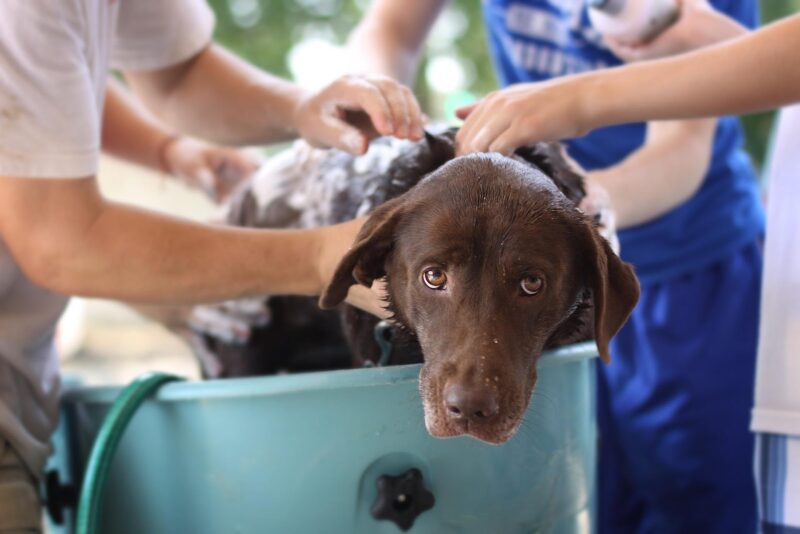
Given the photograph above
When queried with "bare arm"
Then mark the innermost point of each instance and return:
(684, 146)
(389, 39)
(749, 73)
(131, 133)
(240, 104)
(754, 72)
(67, 238)
(664, 173)
(670, 167)
(699, 24)
(672, 162)
(218, 96)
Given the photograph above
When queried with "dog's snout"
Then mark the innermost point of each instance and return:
(470, 403)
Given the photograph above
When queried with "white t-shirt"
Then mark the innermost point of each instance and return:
(778, 375)
(55, 58)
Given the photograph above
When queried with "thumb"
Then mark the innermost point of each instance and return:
(463, 112)
(336, 133)
(204, 180)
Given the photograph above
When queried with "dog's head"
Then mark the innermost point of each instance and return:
(486, 260)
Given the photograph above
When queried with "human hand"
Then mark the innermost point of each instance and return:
(333, 244)
(352, 110)
(698, 25)
(597, 204)
(522, 114)
(215, 170)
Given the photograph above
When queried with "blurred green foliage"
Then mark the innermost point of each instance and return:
(758, 127)
(264, 31)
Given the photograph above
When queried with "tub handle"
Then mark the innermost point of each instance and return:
(401, 499)
(58, 496)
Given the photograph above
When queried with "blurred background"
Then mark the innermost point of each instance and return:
(303, 40)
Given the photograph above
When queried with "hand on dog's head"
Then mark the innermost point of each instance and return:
(488, 260)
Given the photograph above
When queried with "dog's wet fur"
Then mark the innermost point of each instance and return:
(524, 270)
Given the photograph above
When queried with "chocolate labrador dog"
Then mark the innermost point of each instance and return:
(487, 261)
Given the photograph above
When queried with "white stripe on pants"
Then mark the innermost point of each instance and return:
(778, 474)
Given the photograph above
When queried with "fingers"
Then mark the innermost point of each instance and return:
(359, 94)
(391, 107)
(483, 135)
(469, 129)
(230, 168)
(597, 200)
(507, 142)
(626, 52)
(398, 107)
(597, 204)
(669, 42)
(204, 179)
(463, 113)
(485, 128)
(523, 114)
(406, 114)
(215, 170)
(415, 115)
(662, 46)
(466, 132)
(354, 109)
(339, 134)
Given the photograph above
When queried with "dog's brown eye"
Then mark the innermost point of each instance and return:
(434, 278)
(531, 285)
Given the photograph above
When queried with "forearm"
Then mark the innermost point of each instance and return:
(661, 175)
(220, 97)
(371, 51)
(77, 243)
(140, 256)
(714, 28)
(751, 73)
(389, 39)
(129, 131)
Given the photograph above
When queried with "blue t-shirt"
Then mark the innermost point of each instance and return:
(533, 40)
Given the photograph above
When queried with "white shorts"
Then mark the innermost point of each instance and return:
(20, 508)
(778, 474)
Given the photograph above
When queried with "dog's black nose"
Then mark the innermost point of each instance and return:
(470, 403)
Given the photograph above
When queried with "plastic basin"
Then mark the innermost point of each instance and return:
(302, 453)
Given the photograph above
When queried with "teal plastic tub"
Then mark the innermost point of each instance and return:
(303, 454)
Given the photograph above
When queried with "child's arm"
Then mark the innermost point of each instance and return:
(754, 72)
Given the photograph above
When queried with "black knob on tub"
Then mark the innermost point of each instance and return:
(402, 499)
(58, 496)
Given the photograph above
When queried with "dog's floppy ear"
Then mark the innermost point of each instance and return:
(615, 289)
(365, 261)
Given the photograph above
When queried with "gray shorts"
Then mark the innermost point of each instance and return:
(20, 508)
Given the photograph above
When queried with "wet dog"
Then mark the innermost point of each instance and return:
(487, 262)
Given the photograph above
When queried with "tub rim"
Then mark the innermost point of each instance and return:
(262, 386)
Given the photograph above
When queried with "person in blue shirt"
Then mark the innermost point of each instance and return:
(675, 452)
(691, 89)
